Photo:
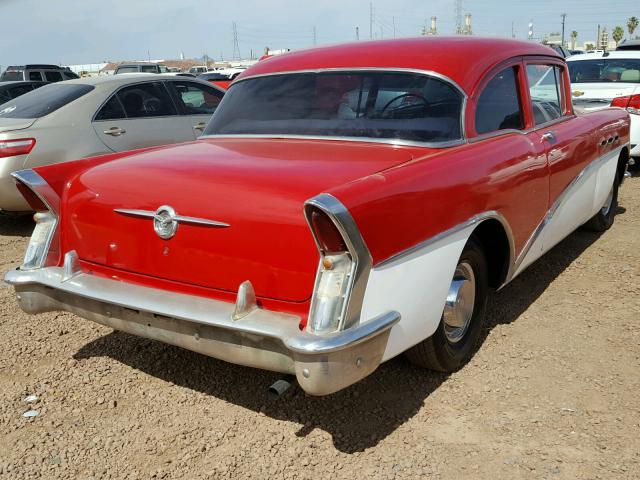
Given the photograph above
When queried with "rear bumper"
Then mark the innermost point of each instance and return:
(263, 339)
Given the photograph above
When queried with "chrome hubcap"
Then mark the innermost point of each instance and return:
(458, 308)
(607, 203)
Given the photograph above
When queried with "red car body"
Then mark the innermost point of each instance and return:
(248, 286)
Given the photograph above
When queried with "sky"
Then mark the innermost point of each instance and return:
(92, 31)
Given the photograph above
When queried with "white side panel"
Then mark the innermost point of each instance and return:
(416, 286)
(577, 204)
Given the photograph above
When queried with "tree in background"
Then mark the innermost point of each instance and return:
(632, 24)
(589, 46)
(574, 36)
(617, 34)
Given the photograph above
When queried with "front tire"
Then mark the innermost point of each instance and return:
(603, 220)
(463, 319)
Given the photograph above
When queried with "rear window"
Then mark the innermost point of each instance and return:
(43, 101)
(11, 76)
(379, 105)
(213, 76)
(127, 70)
(599, 70)
(53, 76)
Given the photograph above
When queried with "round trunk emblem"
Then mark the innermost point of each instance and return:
(164, 222)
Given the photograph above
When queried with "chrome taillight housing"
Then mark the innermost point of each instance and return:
(343, 269)
(44, 245)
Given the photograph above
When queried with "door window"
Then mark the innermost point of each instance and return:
(545, 88)
(146, 100)
(112, 110)
(35, 76)
(498, 107)
(196, 99)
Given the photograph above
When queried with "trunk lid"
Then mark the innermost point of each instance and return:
(11, 124)
(595, 96)
(258, 187)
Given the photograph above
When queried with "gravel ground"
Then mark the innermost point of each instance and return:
(552, 393)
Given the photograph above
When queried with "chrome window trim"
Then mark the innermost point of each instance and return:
(509, 131)
(475, 220)
(426, 73)
(358, 249)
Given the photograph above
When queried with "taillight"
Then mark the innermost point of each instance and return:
(631, 103)
(22, 146)
(326, 232)
(44, 245)
(32, 199)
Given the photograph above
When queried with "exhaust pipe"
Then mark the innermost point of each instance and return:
(280, 387)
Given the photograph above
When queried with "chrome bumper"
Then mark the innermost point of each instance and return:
(323, 364)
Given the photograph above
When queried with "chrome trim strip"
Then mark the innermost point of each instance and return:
(357, 248)
(386, 141)
(476, 219)
(428, 73)
(177, 218)
(554, 207)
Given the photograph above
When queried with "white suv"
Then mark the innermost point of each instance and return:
(603, 79)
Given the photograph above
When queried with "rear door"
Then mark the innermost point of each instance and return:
(196, 103)
(138, 116)
(568, 145)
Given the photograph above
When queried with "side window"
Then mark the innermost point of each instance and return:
(197, 99)
(69, 75)
(112, 110)
(53, 76)
(545, 88)
(498, 107)
(35, 76)
(146, 100)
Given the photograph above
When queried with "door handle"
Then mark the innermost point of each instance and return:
(200, 126)
(115, 131)
(549, 137)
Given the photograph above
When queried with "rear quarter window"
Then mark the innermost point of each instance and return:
(43, 101)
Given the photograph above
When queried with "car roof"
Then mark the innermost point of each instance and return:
(601, 55)
(463, 59)
(114, 81)
(141, 64)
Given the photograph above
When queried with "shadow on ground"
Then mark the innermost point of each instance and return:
(358, 417)
(16, 225)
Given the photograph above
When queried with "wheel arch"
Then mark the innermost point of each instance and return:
(623, 160)
(496, 240)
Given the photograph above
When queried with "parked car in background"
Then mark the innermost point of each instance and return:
(140, 68)
(11, 90)
(346, 204)
(221, 80)
(560, 50)
(629, 45)
(98, 115)
(197, 70)
(37, 73)
(600, 80)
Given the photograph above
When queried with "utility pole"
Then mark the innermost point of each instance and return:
(598, 38)
(564, 16)
(314, 36)
(236, 45)
(371, 20)
(394, 26)
(513, 32)
(357, 33)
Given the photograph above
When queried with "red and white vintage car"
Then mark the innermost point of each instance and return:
(346, 204)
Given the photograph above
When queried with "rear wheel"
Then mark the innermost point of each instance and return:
(460, 328)
(603, 220)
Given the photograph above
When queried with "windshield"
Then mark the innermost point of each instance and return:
(380, 105)
(625, 70)
(43, 101)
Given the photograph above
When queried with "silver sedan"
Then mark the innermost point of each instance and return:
(93, 116)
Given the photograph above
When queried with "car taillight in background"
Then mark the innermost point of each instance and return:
(22, 146)
(631, 103)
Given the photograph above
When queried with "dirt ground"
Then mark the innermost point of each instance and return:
(554, 392)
